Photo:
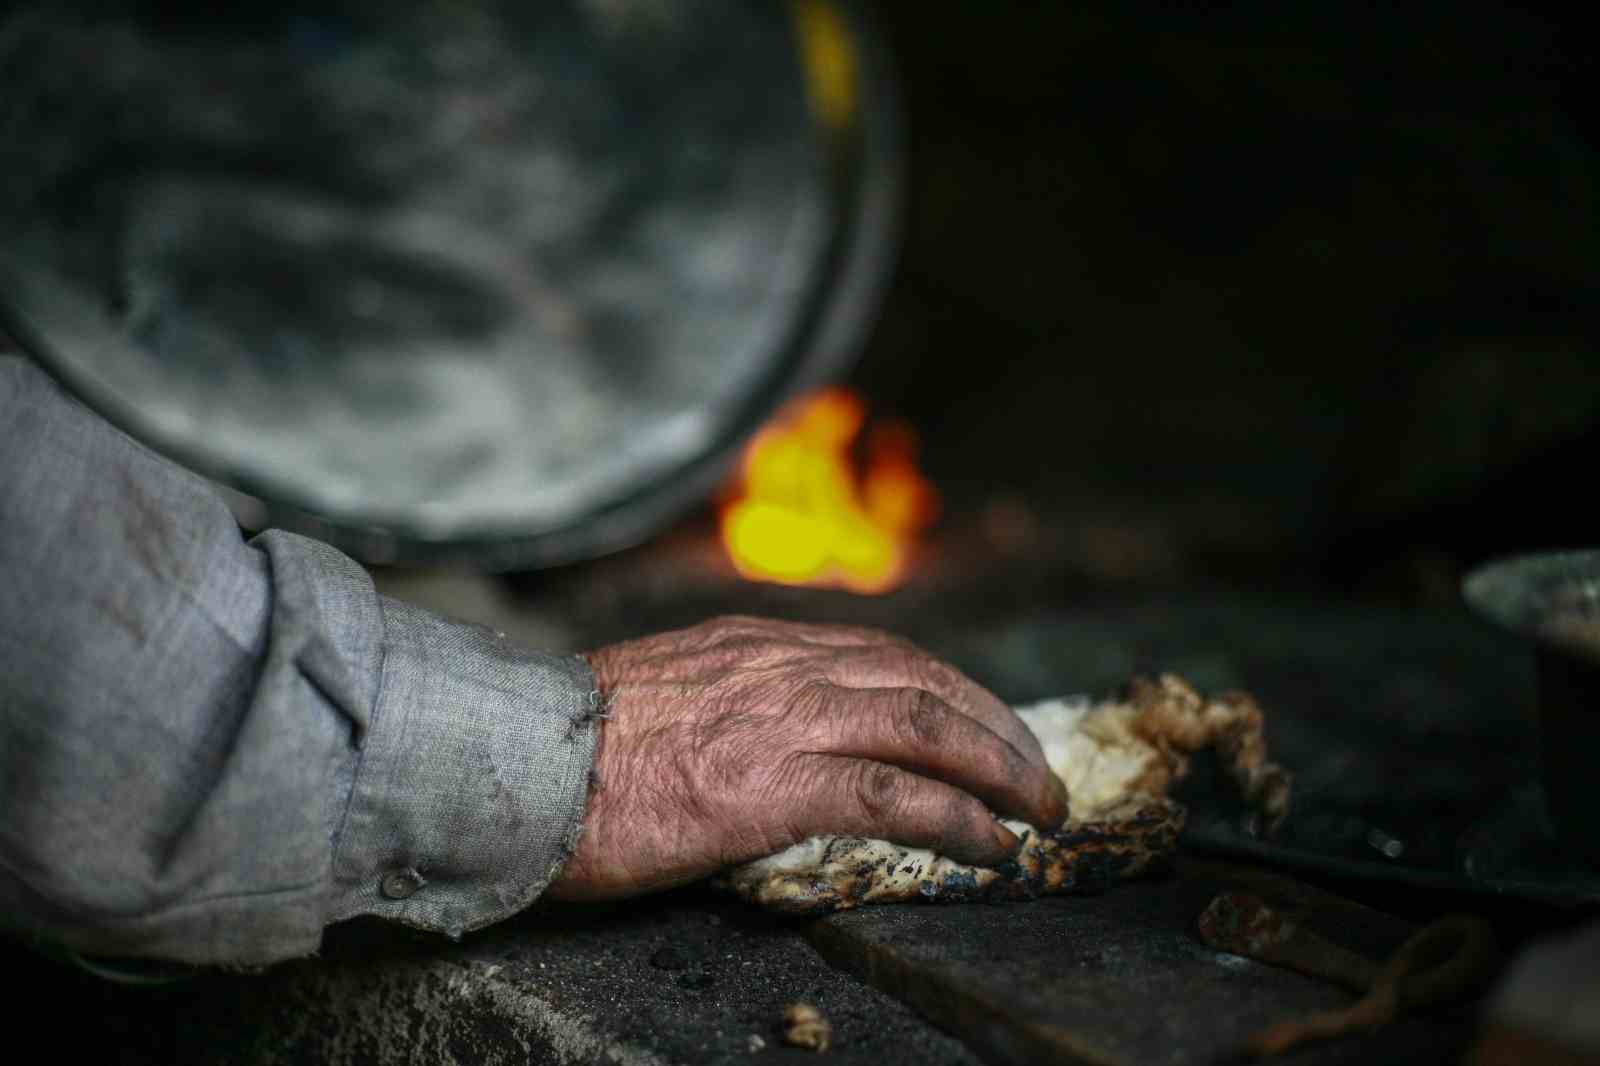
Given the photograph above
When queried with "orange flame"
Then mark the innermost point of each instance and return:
(800, 513)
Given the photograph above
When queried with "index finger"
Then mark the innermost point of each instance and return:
(907, 666)
(916, 730)
(858, 797)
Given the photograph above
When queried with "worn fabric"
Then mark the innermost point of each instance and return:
(210, 748)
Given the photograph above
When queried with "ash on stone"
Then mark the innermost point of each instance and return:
(669, 958)
(696, 979)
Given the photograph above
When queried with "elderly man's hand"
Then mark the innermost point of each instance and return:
(738, 737)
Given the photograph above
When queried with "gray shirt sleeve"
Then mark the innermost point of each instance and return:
(210, 748)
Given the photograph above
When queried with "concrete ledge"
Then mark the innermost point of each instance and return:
(683, 978)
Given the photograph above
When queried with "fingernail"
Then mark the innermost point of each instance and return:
(1002, 846)
(1058, 789)
(1012, 842)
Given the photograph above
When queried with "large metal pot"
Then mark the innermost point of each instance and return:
(1553, 599)
(478, 281)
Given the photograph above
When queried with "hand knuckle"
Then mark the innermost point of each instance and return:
(728, 627)
(784, 782)
(899, 661)
(882, 636)
(740, 647)
(943, 676)
(922, 719)
(934, 674)
(811, 698)
(880, 790)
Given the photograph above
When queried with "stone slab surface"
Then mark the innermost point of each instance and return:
(684, 978)
(692, 978)
(1123, 978)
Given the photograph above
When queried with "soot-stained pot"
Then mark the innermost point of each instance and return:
(1553, 599)
(491, 282)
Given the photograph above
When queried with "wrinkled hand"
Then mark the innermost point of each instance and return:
(735, 738)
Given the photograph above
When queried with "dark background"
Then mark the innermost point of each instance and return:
(1286, 298)
(1295, 303)
(1272, 295)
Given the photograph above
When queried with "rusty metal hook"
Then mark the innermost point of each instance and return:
(1438, 964)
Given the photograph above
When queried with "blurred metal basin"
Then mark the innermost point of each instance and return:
(486, 282)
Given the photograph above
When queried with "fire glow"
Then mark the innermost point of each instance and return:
(803, 511)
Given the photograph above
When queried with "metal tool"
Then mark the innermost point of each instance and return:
(1553, 599)
(1438, 964)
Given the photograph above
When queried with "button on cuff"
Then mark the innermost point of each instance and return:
(400, 884)
(469, 734)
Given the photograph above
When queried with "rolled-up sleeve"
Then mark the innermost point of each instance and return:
(210, 749)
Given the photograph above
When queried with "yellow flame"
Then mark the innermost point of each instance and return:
(828, 53)
(800, 513)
